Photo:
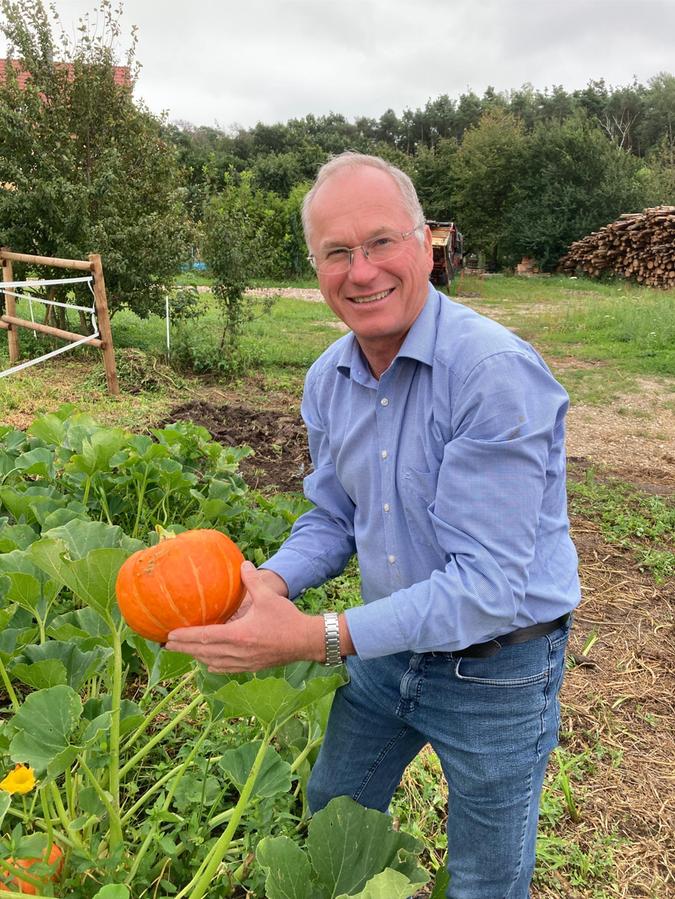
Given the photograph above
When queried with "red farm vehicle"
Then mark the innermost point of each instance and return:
(448, 246)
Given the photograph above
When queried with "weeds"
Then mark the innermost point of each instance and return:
(632, 519)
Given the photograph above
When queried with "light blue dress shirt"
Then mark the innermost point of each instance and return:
(446, 477)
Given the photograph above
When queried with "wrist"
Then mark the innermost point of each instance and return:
(274, 581)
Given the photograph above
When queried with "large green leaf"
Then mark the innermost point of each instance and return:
(44, 726)
(349, 844)
(85, 556)
(40, 675)
(113, 891)
(32, 503)
(274, 694)
(389, 884)
(27, 584)
(274, 776)
(289, 873)
(352, 852)
(78, 665)
(79, 625)
(97, 450)
(38, 462)
(16, 536)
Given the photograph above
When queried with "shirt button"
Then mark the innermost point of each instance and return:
(384, 401)
(384, 454)
(386, 507)
(391, 559)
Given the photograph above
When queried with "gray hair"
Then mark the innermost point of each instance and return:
(350, 159)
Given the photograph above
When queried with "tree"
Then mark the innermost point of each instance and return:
(487, 165)
(573, 180)
(91, 169)
(434, 179)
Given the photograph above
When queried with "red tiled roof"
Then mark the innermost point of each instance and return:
(120, 73)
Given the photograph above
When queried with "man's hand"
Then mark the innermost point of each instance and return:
(267, 630)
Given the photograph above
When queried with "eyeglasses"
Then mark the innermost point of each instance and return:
(385, 246)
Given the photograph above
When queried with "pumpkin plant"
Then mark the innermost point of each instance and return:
(147, 773)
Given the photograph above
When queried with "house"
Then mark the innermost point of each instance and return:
(121, 74)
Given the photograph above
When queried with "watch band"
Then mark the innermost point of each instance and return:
(332, 639)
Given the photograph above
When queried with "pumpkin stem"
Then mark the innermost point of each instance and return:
(164, 534)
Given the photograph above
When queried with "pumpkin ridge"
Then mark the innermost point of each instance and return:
(200, 590)
(229, 567)
(181, 619)
(146, 616)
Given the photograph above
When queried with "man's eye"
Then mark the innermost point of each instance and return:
(337, 253)
(380, 242)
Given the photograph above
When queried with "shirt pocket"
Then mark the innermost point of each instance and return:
(418, 493)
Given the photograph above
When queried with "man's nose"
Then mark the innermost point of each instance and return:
(362, 269)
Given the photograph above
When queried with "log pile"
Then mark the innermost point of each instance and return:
(639, 246)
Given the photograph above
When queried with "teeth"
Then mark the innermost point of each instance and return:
(371, 298)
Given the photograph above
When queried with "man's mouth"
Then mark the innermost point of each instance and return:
(372, 297)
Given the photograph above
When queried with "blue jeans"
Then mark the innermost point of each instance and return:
(492, 722)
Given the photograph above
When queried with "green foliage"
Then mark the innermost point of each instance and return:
(489, 164)
(346, 845)
(522, 172)
(572, 181)
(141, 801)
(90, 168)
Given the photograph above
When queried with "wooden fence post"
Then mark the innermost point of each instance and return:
(10, 308)
(103, 319)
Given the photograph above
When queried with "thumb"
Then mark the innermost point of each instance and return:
(249, 576)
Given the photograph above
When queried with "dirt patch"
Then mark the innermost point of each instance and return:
(619, 704)
(278, 439)
(310, 294)
(634, 437)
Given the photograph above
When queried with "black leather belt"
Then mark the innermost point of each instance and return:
(521, 635)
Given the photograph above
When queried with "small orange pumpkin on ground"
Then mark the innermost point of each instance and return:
(55, 860)
(187, 579)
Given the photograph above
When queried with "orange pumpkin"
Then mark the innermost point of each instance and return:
(188, 579)
(55, 860)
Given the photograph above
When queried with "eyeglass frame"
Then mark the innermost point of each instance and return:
(362, 246)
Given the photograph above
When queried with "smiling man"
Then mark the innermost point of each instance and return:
(437, 439)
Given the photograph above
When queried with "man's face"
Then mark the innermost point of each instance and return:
(378, 302)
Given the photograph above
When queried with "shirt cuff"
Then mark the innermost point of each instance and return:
(374, 629)
(297, 570)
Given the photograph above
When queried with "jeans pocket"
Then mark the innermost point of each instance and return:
(519, 665)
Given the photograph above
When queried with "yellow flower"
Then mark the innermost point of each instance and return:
(20, 780)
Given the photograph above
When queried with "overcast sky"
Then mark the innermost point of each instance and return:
(237, 62)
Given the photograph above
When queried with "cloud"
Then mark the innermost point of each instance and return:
(270, 60)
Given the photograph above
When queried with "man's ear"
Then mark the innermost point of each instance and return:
(428, 248)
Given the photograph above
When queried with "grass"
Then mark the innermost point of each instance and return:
(620, 331)
(640, 522)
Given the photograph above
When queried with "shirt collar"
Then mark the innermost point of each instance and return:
(419, 343)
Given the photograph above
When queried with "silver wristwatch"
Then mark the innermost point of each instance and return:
(332, 639)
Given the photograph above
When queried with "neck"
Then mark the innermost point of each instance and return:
(379, 357)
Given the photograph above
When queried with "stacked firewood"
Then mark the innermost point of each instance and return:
(639, 246)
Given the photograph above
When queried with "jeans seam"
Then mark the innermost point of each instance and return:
(547, 699)
(523, 833)
(378, 761)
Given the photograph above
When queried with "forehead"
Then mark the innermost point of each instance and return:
(356, 203)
